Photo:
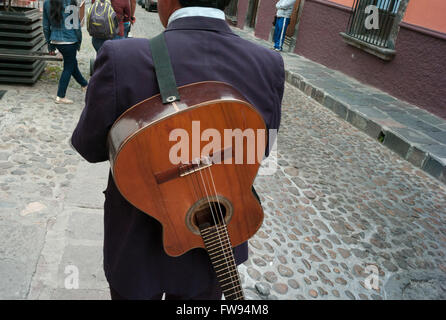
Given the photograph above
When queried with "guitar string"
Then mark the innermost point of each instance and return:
(233, 274)
(227, 255)
(213, 216)
(198, 197)
(198, 184)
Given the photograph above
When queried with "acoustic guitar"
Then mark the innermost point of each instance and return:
(205, 200)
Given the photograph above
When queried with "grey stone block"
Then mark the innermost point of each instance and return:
(308, 89)
(431, 119)
(329, 102)
(416, 156)
(413, 136)
(396, 143)
(19, 249)
(88, 260)
(373, 129)
(433, 166)
(79, 294)
(318, 95)
(384, 97)
(363, 122)
(437, 150)
(442, 177)
(357, 120)
(87, 226)
(370, 112)
(14, 280)
(439, 136)
(340, 109)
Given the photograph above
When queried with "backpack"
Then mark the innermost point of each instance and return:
(102, 22)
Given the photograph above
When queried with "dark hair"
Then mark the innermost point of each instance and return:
(219, 4)
(56, 9)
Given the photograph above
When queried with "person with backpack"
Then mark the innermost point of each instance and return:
(63, 33)
(114, 24)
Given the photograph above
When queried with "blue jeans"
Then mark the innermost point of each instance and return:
(70, 68)
(97, 43)
(279, 31)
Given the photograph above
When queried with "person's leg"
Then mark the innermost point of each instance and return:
(278, 32)
(77, 75)
(69, 57)
(97, 43)
(126, 29)
(284, 23)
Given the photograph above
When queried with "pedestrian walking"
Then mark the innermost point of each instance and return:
(202, 47)
(63, 33)
(122, 8)
(284, 11)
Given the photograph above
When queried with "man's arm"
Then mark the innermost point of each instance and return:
(132, 8)
(46, 27)
(100, 112)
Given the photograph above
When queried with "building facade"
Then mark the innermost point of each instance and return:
(398, 46)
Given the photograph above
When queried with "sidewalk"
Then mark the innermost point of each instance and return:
(413, 133)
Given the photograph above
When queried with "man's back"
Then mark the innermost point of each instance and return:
(201, 49)
(204, 49)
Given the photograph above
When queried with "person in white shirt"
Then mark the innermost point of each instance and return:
(284, 11)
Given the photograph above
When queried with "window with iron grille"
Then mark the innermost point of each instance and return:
(373, 26)
(360, 22)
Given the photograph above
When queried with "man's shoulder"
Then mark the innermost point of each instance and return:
(259, 51)
(126, 46)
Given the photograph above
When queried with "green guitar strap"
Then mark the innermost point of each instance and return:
(163, 69)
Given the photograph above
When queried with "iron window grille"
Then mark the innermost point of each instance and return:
(387, 14)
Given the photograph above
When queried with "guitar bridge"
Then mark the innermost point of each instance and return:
(200, 165)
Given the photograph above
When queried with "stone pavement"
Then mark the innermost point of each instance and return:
(345, 218)
(415, 134)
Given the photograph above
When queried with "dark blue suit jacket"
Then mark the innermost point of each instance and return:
(201, 49)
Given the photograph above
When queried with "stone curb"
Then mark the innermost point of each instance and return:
(409, 150)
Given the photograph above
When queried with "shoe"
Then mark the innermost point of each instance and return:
(278, 50)
(63, 101)
(84, 89)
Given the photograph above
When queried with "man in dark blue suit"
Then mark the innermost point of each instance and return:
(202, 47)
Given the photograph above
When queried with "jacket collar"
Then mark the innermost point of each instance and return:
(200, 23)
(196, 11)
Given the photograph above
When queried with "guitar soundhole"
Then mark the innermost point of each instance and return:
(208, 212)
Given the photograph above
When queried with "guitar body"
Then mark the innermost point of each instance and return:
(142, 144)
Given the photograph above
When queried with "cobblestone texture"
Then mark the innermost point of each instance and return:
(339, 205)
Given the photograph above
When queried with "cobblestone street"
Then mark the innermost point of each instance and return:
(341, 212)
